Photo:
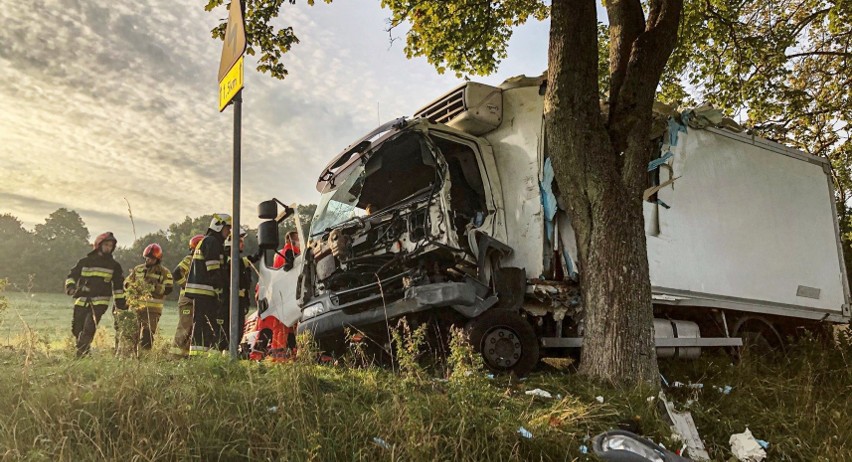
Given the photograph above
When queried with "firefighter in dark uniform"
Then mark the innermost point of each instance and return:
(206, 282)
(93, 282)
(183, 333)
(224, 318)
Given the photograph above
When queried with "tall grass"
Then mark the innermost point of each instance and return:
(799, 401)
(101, 408)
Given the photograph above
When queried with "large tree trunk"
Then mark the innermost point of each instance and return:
(599, 160)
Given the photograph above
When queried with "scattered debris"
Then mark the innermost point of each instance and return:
(651, 399)
(726, 390)
(746, 448)
(764, 444)
(540, 393)
(684, 426)
(584, 449)
(694, 386)
(525, 433)
(599, 399)
(272, 409)
(381, 443)
(490, 376)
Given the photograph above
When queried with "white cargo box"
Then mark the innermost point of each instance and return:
(752, 226)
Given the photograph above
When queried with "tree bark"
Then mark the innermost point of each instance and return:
(600, 164)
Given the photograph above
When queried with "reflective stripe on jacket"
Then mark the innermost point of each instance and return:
(97, 278)
(182, 271)
(207, 278)
(158, 280)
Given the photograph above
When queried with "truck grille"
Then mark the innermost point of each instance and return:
(445, 109)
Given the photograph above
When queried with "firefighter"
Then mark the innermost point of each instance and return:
(206, 283)
(183, 333)
(287, 255)
(93, 281)
(157, 281)
(181, 271)
(244, 272)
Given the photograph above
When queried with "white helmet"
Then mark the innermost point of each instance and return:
(219, 221)
(243, 233)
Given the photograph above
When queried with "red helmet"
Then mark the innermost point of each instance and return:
(193, 243)
(153, 251)
(107, 236)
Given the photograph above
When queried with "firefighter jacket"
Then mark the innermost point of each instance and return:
(96, 278)
(245, 283)
(157, 279)
(207, 277)
(182, 271)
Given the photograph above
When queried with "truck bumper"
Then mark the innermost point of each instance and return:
(460, 296)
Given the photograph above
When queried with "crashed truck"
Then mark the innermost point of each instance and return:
(450, 217)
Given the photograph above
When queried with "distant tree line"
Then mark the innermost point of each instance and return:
(39, 260)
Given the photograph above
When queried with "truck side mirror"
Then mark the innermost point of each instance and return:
(267, 210)
(267, 235)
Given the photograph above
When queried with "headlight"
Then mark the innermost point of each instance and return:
(313, 310)
(621, 443)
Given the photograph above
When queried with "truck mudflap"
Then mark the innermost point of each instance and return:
(463, 297)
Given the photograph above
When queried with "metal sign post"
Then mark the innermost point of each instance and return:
(230, 89)
(235, 231)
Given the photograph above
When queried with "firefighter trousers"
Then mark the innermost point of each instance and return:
(83, 326)
(146, 322)
(197, 329)
(183, 334)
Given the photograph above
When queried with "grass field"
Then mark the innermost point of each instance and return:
(47, 316)
(53, 407)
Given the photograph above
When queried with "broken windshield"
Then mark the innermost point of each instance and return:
(398, 169)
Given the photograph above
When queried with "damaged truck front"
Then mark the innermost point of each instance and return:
(409, 224)
(452, 218)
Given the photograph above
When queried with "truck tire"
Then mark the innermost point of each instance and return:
(506, 342)
(759, 336)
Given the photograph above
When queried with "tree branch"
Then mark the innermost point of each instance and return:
(844, 54)
(626, 23)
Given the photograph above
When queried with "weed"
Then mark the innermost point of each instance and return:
(408, 345)
(4, 304)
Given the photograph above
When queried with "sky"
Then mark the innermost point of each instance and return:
(108, 103)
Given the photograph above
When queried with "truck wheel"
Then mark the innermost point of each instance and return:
(506, 342)
(759, 336)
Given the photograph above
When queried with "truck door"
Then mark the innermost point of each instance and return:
(475, 193)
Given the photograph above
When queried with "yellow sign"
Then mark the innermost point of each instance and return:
(231, 84)
(235, 39)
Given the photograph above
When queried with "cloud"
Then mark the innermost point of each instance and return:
(106, 101)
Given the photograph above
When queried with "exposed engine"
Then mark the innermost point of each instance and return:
(386, 228)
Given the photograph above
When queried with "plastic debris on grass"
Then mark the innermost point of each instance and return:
(539, 392)
(746, 448)
(272, 409)
(381, 443)
(524, 433)
(694, 386)
(584, 449)
(599, 399)
(726, 390)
